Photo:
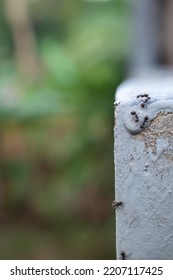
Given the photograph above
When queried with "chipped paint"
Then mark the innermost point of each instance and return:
(160, 127)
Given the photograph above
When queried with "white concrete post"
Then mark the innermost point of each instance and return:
(144, 168)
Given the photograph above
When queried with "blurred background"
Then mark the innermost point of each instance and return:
(60, 62)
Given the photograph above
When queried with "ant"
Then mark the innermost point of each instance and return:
(145, 101)
(142, 95)
(123, 255)
(146, 118)
(116, 204)
(136, 116)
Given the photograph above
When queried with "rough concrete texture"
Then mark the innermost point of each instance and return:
(144, 179)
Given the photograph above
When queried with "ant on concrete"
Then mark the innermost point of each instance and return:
(142, 95)
(146, 118)
(123, 255)
(135, 115)
(116, 204)
(144, 101)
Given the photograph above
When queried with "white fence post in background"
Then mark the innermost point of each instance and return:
(144, 168)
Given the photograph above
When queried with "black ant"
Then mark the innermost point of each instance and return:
(136, 116)
(116, 204)
(142, 95)
(123, 255)
(146, 118)
(145, 101)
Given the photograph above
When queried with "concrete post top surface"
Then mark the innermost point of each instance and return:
(158, 84)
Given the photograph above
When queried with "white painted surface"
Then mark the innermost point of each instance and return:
(144, 172)
(158, 84)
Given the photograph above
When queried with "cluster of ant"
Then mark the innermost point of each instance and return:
(133, 113)
(146, 118)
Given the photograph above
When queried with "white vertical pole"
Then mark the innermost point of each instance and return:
(144, 168)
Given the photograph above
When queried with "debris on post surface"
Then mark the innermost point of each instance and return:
(144, 170)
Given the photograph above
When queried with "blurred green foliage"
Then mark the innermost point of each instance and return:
(56, 141)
